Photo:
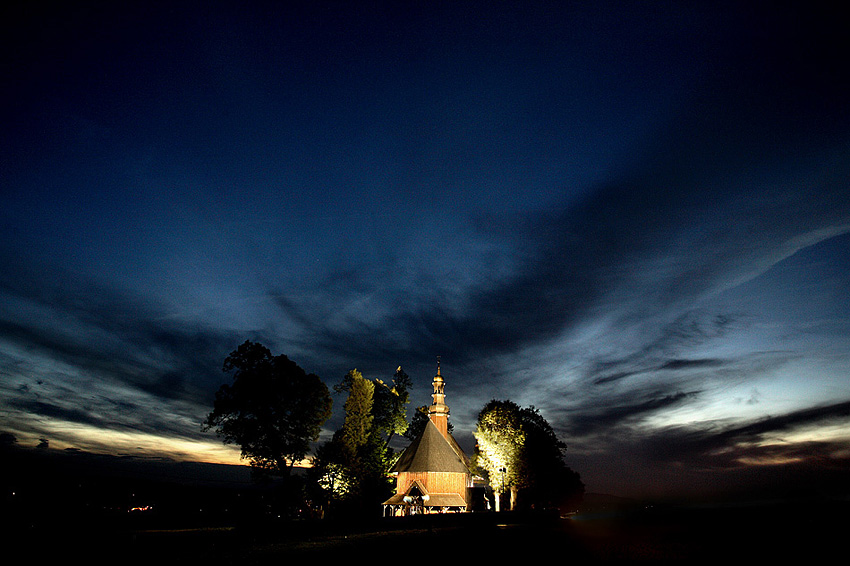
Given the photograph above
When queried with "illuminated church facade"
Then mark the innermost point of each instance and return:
(433, 473)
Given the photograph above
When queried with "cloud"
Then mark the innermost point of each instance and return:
(775, 456)
(735, 445)
(54, 411)
(639, 250)
(687, 364)
(615, 415)
(74, 352)
(640, 256)
(811, 415)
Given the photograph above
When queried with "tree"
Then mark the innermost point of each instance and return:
(357, 426)
(500, 438)
(331, 473)
(351, 469)
(273, 409)
(390, 405)
(417, 423)
(544, 479)
(518, 450)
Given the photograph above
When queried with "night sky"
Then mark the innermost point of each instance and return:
(633, 216)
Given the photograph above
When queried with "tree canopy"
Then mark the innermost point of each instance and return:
(351, 469)
(273, 409)
(390, 405)
(517, 449)
(357, 425)
(500, 439)
(418, 422)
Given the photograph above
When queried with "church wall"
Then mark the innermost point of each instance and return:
(436, 482)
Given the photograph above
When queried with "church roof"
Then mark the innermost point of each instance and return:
(432, 452)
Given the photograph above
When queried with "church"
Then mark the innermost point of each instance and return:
(432, 474)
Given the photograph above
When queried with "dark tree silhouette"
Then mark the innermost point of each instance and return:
(544, 478)
(272, 410)
(418, 422)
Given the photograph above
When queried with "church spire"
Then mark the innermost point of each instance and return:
(438, 412)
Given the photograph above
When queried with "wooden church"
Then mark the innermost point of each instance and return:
(433, 474)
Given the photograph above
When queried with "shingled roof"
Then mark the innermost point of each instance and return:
(432, 452)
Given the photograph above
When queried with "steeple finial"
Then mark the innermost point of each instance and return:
(438, 412)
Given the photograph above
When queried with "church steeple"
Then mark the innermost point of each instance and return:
(432, 472)
(438, 412)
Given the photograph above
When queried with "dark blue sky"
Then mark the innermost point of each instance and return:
(633, 216)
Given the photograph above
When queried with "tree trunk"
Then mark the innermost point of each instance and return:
(513, 498)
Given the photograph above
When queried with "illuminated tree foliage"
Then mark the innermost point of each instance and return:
(331, 473)
(500, 438)
(351, 469)
(357, 426)
(273, 409)
(390, 405)
(518, 450)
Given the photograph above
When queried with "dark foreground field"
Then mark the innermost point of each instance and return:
(59, 508)
(776, 533)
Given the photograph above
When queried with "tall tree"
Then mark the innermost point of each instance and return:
(273, 409)
(544, 479)
(351, 468)
(357, 425)
(390, 405)
(500, 438)
(517, 449)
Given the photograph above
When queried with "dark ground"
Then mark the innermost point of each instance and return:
(52, 512)
(690, 536)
